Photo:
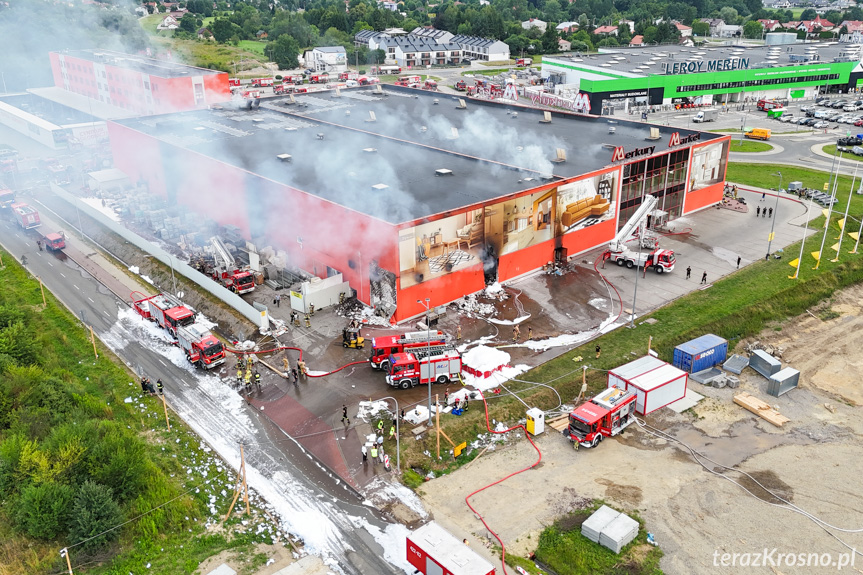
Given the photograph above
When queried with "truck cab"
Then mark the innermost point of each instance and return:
(7, 198)
(385, 346)
(605, 415)
(54, 242)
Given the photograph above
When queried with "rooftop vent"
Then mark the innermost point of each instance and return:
(424, 129)
(560, 156)
(338, 93)
(515, 114)
(546, 118)
(347, 112)
(454, 134)
(654, 134)
(372, 117)
(380, 187)
(320, 136)
(370, 150)
(436, 102)
(461, 104)
(284, 157)
(443, 172)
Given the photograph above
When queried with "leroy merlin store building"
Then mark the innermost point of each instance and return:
(624, 77)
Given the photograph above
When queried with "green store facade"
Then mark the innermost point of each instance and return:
(606, 87)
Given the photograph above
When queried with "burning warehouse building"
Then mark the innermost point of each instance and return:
(414, 195)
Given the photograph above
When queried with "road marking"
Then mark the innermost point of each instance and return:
(62, 274)
(76, 287)
(163, 363)
(50, 264)
(91, 301)
(106, 313)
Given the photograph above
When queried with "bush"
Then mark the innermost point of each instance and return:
(362, 71)
(43, 511)
(412, 479)
(93, 513)
(278, 76)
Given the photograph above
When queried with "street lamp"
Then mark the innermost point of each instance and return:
(635, 291)
(398, 443)
(775, 215)
(171, 261)
(425, 304)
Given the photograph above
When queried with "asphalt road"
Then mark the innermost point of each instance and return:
(299, 480)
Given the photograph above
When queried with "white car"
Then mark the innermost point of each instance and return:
(351, 83)
(820, 125)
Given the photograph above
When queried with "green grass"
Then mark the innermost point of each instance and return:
(746, 146)
(565, 550)
(253, 46)
(149, 23)
(207, 54)
(774, 132)
(831, 149)
(761, 175)
(491, 72)
(88, 408)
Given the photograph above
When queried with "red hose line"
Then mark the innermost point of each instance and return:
(336, 370)
(467, 499)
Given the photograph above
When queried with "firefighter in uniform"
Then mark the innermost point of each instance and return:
(286, 364)
(249, 362)
(248, 378)
(258, 380)
(160, 386)
(239, 362)
(311, 309)
(308, 321)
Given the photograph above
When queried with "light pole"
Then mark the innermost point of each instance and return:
(775, 215)
(398, 443)
(803, 241)
(425, 304)
(635, 291)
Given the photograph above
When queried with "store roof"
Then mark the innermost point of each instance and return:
(390, 168)
(151, 66)
(641, 62)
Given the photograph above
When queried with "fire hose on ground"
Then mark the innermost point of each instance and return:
(239, 352)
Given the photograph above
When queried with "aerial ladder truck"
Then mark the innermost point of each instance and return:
(660, 260)
(226, 271)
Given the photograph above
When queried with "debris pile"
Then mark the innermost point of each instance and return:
(775, 351)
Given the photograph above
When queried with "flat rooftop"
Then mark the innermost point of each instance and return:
(625, 62)
(151, 66)
(50, 111)
(339, 154)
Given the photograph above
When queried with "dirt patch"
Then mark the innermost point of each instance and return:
(572, 521)
(278, 557)
(629, 495)
(767, 486)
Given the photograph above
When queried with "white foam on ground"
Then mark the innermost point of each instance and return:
(515, 321)
(96, 204)
(568, 339)
(484, 358)
(496, 378)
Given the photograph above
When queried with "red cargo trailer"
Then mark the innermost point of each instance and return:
(432, 550)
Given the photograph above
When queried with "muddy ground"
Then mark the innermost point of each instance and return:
(812, 461)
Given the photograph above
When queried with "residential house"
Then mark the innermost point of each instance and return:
(432, 33)
(368, 38)
(535, 23)
(637, 41)
(411, 51)
(331, 59)
(388, 5)
(261, 35)
(564, 45)
(852, 26)
(205, 34)
(168, 23)
(770, 25)
(606, 31)
(815, 27)
(485, 49)
(567, 27)
(685, 31)
(630, 24)
(715, 25)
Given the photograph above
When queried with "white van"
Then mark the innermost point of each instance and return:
(351, 83)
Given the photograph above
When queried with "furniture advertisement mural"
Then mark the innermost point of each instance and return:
(586, 202)
(520, 222)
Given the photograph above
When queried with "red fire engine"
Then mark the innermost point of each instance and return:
(298, 79)
(461, 86)
(165, 310)
(278, 88)
(202, 348)
(54, 242)
(432, 550)
(26, 215)
(233, 82)
(367, 81)
(7, 198)
(226, 270)
(262, 82)
(421, 366)
(605, 415)
(410, 81)
(384, 347)
(348, 76)
(320, 78)
(430, 85)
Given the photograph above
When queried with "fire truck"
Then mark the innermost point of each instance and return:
(660, 260)
(367, 81)
(7, 198)
(278, 88)
(233, 82)
(523, 61)
(420, 366)
(248, 100)
(605, 415)
(261, 82)
(164, 309)
(409, 81)
(226, 271)
(26, 215)
(384, 347)
(461, 86)
(54, 242)
(319, 78)
(297, 79)
(348, 76)
(202, 348)
(430, 85)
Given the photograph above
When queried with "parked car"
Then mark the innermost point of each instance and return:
(852, 107)
(822, 101)
(821, 114)
(787, 118)
(821, 124)
(858, 122)
(849, 141)
(811, 121)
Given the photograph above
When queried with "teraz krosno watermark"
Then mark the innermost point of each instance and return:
(774, 558)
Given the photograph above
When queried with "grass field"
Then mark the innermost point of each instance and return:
(747, 146)
(831, 149)
(206, 54)
(761, 175)
(253, 46)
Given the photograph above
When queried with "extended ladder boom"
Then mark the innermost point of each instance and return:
(223, 256)
(637, 220)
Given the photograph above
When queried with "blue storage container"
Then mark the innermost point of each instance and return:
(701, 353)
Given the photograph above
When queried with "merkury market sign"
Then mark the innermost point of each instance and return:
(722, 65)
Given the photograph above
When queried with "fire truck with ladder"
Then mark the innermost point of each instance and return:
(605, 415)
(164, 309)
(384, 347)
(202, 348)
(226, 271)
(7, 198)
(424, 366)
(26, 215)
(660, 260)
